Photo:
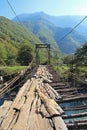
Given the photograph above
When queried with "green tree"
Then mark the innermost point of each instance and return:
(81, 55)
(25, 54)
(11, 55)
(68, 59)
(3, 54)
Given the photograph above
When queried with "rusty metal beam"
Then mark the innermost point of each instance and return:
(39, 46)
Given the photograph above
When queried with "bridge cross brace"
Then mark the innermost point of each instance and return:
(39, 46)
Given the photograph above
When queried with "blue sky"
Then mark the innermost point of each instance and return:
(52, 7)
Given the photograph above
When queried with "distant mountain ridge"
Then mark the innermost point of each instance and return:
(60, 21)
(48, 29)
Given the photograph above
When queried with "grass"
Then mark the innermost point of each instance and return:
(62, 70)
(10, 69)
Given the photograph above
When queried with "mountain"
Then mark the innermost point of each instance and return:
(47, 29)
(14, 33)
(60, 21)
(12, 36)
(70, 21)
(71, 42)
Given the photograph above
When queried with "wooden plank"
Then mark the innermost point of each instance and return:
(34, 107)
(75, 98)
(14, 110)
(75, 115)
(4, 110)
(24, 115)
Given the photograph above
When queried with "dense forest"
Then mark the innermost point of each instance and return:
(13, 39)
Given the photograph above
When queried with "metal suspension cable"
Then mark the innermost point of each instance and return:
(60, 38)
(19, 84)
(18, 19)
(10, 89)
(14, 11)
(72, 29)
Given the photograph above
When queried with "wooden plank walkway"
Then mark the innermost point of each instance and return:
(34, 107)
(70, 93)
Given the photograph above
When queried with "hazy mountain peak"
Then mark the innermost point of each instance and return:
(50, 29)
(60, 21)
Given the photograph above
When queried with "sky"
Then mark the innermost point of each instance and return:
(51, 7)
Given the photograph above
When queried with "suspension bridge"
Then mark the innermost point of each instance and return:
(38, 99)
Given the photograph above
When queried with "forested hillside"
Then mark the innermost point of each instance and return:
(12, 39)
(37, 29)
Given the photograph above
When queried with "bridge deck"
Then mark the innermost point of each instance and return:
(34, 107)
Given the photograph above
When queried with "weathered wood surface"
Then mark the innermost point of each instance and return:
(74, 98)
(4, 110)
(77, 125)
(75, 115)
(34, 107)
(68, 93)
(78, 107)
